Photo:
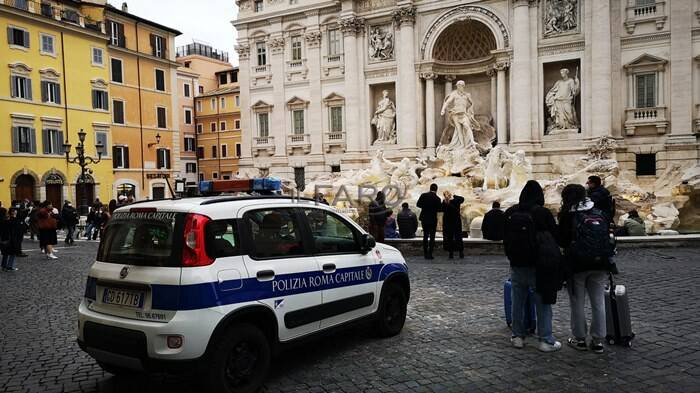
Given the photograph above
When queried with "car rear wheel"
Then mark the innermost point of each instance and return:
(240, 361)
(392, 311)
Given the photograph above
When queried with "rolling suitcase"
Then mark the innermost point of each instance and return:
(530, 317)
(617, 315)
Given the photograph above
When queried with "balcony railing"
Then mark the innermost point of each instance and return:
(333, 59)
(650, 12)
(56, 12)
(295, 64)
(334, 139)
(202, 50)
(263, 144)
(642, 117)
(261, 69)
(298, 141)
(264, 140)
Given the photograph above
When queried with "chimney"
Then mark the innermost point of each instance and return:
(125, 7)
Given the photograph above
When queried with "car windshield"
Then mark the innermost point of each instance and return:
(142, 238)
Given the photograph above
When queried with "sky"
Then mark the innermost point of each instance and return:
(207, 21)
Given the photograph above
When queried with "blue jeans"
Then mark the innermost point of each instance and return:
(524, 278)
(8, 261)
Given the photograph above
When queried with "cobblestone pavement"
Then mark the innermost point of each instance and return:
(455, 339)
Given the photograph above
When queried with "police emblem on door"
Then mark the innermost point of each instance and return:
(368, 273)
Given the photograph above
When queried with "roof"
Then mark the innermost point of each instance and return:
(137, 18)
(220, 91)
(227, 70)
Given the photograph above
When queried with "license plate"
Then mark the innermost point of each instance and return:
(122, 297)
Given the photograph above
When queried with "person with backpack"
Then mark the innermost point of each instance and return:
(525, 224)
(407, 221)
(48, 223)
(429, 204)
(600, 196)
(584, 235)
(452, 224)
(70, 218)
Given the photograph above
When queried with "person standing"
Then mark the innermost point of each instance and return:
(377, 217)
(23, 218)
(600, 196)
(70, 219)
(47, 230)
(112, 206)
(429, 204)
(492, 228)
(105, 216)
(407, 221)
(452, 224)
(10, 228)
(523, 222)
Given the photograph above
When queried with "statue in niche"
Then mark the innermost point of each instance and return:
(561, 16)
(460, 110)
(560, 102)
(384, 120)
(381, 44)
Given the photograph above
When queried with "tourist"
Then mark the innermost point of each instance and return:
(23, 218)
(47, 229)
(390, 231)
(10, 232)
(105, 215)
(319, 198)
(633, 225)
(377, 217)
(492, 227)
(407, 221)
(601, 197)
(112, 206)
(429, 204)
(70, 219)
(452, 224)
(121, 200)
(522, 222)
(34, 220)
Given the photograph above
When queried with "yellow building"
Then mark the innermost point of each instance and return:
(218, 126)
(53, 83)
(144, 101)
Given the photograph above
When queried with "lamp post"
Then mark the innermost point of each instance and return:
(81, 159)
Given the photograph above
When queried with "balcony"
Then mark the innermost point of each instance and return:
(300, 142)
(202, 50)
(652, 12)
(334, 140)
(55, 12)
(297, 69)
(263, 144)
(646, 117)
(262, 69)
(333, 65)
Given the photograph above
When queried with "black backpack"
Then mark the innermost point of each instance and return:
(592, 244)
(520, 240)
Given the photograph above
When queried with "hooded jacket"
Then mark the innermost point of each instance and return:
(600, 196)
(635, 226)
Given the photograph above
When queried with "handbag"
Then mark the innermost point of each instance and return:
(48, 224)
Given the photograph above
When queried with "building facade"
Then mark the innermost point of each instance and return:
(187, 85)
(326, 84)
(54, 75)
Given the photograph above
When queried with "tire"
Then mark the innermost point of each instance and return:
(116, 370)
(392, 311)
(240, 361)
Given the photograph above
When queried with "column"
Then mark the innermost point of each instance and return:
(243, 49)
(521, 81)
(601, 69)
(429, 111)
(313, 63)
(501, 115)
(279, 126)
(407, 81)
(491, 73)
(449, 80)
(681, 101)
(351, 27)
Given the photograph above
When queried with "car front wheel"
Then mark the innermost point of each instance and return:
(392, 311)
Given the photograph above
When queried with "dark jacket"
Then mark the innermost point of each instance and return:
(378, 212)
(566, 237)
(390, 229)
(429, 204)
(11, 230)
(493, 226)
(408, 223)
(452, 217)
(69, 216)
(603, 200)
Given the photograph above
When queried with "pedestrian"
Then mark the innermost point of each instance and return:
(112, 206)
(319, 198)
(70, 219)
(90, 222)
(601, 197)
(492, 227)
(407, 222)
(452, 224)
(588, 272)
(10, 230)
(633, 225)
(34, 220)
(23, 218)
(105, 216)
(429, 204)
(47, 230)
(377, 217)
(390, 231)
(121, 200)
(523, 221)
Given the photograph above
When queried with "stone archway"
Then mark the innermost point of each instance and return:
(24, 184)
(466, 40)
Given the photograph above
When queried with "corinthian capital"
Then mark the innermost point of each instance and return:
(529, 3)
(501, 65)
(428, 75)
(405, 15)
(276, 45)
(243, 51)
(352, 26)
(313, 39)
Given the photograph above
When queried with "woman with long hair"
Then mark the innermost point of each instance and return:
(47, 230)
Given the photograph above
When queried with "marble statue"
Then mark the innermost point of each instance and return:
(460, 110)
(381, 44)
(560, 102)
(561, 16)
(493, 170)
(384, 120)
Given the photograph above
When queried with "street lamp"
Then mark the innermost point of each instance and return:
(150, 145)
(83, 161)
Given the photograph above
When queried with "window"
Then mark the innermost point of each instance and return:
(258, 6)
(160, 80)
(52, 140)
(300, 178)
(163, 158)
(21, 87)
(646, 164)
(120, 156)
(646, 90)
(332, 235)
(274, 233)
(262, 53)
(160, 112)
(336, 117)
(298, 121)
(238, 149)
(101, 138)
(236, 124)
(186, 88)
(212, 103)
(23, 140)
(187, 64)
(115, 31)
(47, 44)
(335, 168)
(214, 151)
(97, 56)
(222, 126)
(224, 151)
(199, 128)
(190, 167)
(234, 76)
(642, 3)
(201, 177)
(199, 106)
(226, 176)
(188, 116)
(18, 37)
(100, 100)
(215, 175)
(118, 111)
(128, 190)
(212, 127)
(200, 152)
(201, 89)
(223, 102)
(238, 100)
(296, 48)
(222, 78)
(158, 46)
(117, 71)
(50, 92)
(335, 42)
(189, 144)
(263, 125)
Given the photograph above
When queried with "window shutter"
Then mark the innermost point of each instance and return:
(120, 34)
(109, 30)
(159, 160)
(164, 50)
(32, 140)
(26, 39)
(167, 158)
(28, 88)
(57, 93)
(13, 86)
(115, 156)
(15, 139)
(45, 140)
(126, 156)
(44, 91)
(59, 143)
(153, 44)
(105, 100)
(9, 35)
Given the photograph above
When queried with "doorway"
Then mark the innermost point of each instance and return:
(158, 192)
(54, 194)
(25, 188)
(85, 194)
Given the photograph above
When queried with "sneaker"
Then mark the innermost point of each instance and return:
(547, 347)
(11, 269)
(577, 344)
(51, 256)
(518, 342)
(597, 347)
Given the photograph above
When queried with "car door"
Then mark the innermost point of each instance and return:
(279, 263)
(349, 275)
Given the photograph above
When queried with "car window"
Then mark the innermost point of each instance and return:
(222, 238)
(331, 234)
(274, 233)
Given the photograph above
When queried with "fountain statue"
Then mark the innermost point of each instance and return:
(384, 120)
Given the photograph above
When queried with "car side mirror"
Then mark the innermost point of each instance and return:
(367, 243)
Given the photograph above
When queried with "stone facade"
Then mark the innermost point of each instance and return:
(312, 73)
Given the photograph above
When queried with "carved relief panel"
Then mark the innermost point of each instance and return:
(561, 17)
(381, 43)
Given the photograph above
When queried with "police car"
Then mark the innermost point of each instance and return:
(217, 285)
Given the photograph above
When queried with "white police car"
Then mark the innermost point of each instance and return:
(217, 284)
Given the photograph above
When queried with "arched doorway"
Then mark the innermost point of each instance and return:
(25, 187)
(84, 193)
(126, 189)
(54, 189)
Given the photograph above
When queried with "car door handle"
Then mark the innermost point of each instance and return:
(329, 268)
(265, 275)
